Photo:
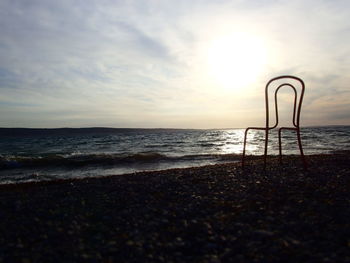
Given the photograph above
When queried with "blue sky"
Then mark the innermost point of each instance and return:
(168, 63)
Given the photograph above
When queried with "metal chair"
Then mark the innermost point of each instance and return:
(296, 117)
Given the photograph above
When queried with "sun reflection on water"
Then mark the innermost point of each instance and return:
(233, 142)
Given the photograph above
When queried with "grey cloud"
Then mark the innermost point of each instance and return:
(143, 41)
(139, 54)
(341, 116)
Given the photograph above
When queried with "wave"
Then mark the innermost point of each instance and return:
(15, 162)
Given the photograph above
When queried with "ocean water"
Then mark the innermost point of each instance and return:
(48, 154)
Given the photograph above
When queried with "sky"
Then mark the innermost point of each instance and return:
(170, 64)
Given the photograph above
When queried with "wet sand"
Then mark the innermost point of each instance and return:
(217, 213)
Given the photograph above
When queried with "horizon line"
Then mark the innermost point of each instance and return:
(156, 128)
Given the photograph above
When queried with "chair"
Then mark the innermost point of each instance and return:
(287, 80)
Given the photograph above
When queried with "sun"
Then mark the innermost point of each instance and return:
(236, 60)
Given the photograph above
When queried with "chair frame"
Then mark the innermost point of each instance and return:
(296, 118)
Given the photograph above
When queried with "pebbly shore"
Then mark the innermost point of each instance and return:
(218, 213)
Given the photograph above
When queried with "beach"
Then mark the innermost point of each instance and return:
(214, 213)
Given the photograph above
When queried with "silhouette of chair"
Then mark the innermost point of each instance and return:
(296, 117)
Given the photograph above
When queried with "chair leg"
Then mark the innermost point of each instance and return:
(280, 144)
(244, 144)
(301, 150)
(266, 144)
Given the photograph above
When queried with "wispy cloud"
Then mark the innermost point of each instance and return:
(138, 63)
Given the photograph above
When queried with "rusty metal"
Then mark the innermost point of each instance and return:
(296, 119)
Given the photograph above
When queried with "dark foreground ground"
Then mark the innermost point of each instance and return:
(209, 214)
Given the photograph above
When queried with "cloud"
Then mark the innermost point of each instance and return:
(123, 63)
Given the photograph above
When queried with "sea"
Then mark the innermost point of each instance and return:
(28, 155)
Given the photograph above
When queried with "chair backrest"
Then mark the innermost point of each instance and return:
(287, 82)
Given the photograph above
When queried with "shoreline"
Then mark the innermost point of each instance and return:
(214, 213)
(255, 159)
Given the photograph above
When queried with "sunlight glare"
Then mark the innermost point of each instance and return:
(236, 60)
